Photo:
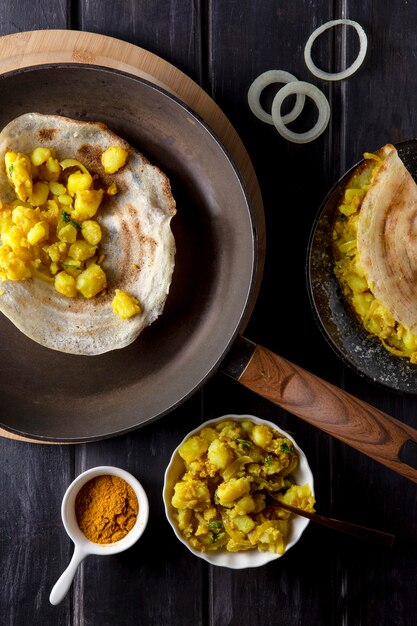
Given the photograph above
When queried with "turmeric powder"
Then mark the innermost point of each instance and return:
(106, 508)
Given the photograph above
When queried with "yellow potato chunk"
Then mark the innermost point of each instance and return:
(57, 251)
(65, 199)
(299, 496)
(261, 435)
(113, 159)
(52, 166)
(231, 490)
(81, 250)
(68, 234)
(40, 156)
(38, 232)
(19, 173)
(65, 284)
(219, 454)
(91, 281)
(57, 188)
(25, 218)
(39, 193)
(112, 189)
(192, 449)
(91, 231)
(193, 494)
(244, 523)
(15, 269)
(86, 204)
(79, 181)
(125, 305)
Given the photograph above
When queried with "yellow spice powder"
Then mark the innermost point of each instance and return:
(106, 508)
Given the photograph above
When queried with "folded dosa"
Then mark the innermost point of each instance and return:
(138, 245)
(387, 238)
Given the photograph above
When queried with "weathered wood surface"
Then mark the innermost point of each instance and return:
(327, 578)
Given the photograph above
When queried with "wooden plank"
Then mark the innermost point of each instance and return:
(376, 108)
(170, 28)
(159, 581)
(15, 16)
(247, 40)
(34, 547)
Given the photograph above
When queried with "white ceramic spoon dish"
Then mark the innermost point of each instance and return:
(85, 547)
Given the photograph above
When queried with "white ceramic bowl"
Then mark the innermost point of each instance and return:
(83, 546)
(244, 559)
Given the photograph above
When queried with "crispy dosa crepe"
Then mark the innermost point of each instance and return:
(138, 244)
(387, 238)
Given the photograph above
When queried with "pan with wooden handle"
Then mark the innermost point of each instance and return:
(53, 396)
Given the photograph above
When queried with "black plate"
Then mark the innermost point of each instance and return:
(364, 354)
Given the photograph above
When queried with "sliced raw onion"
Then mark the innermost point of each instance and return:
(363, 41)
(313, 92)
(259, 84)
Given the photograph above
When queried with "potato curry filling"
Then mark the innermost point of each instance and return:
(50, 230)
(221, 499)
(374, 316)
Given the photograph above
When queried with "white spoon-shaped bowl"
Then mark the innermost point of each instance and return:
(83, 546)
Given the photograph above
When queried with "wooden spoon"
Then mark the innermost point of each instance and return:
(368, 534)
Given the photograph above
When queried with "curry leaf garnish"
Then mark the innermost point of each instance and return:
(66, 217)
(11, 168)
(268, 460)
(284, 447)
(244, 442)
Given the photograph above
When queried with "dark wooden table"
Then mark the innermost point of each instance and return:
(327, 578)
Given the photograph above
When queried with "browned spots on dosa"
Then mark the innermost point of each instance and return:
(46, 134)
(90, 155)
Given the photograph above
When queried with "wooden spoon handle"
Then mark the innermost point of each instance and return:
(362, 532)
(327, 407)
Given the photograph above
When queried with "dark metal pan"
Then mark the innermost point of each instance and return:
(58, 397)
(364, 354)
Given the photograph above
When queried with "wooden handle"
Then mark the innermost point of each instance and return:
(331, 409)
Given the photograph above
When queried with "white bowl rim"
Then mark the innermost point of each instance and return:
(70, 522)
(244, 559)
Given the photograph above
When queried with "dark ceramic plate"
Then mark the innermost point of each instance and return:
(364, 354)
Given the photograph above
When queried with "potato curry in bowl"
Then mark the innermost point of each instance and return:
(216, 491)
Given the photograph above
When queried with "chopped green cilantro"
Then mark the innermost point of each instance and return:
(268, 460)
(215, 525)
(284, 447)
(216, 529)
(215, 536)
(244, 442)
(66, 217)
(11, 168)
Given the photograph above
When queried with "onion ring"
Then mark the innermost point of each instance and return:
(363, 43)
(313, 92)
(259, 84)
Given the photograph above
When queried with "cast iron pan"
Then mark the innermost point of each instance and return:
(58, 397)
(363, 353)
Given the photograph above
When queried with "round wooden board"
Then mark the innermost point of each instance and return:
(66, 46)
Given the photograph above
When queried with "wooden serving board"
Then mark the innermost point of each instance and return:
(40, 47)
